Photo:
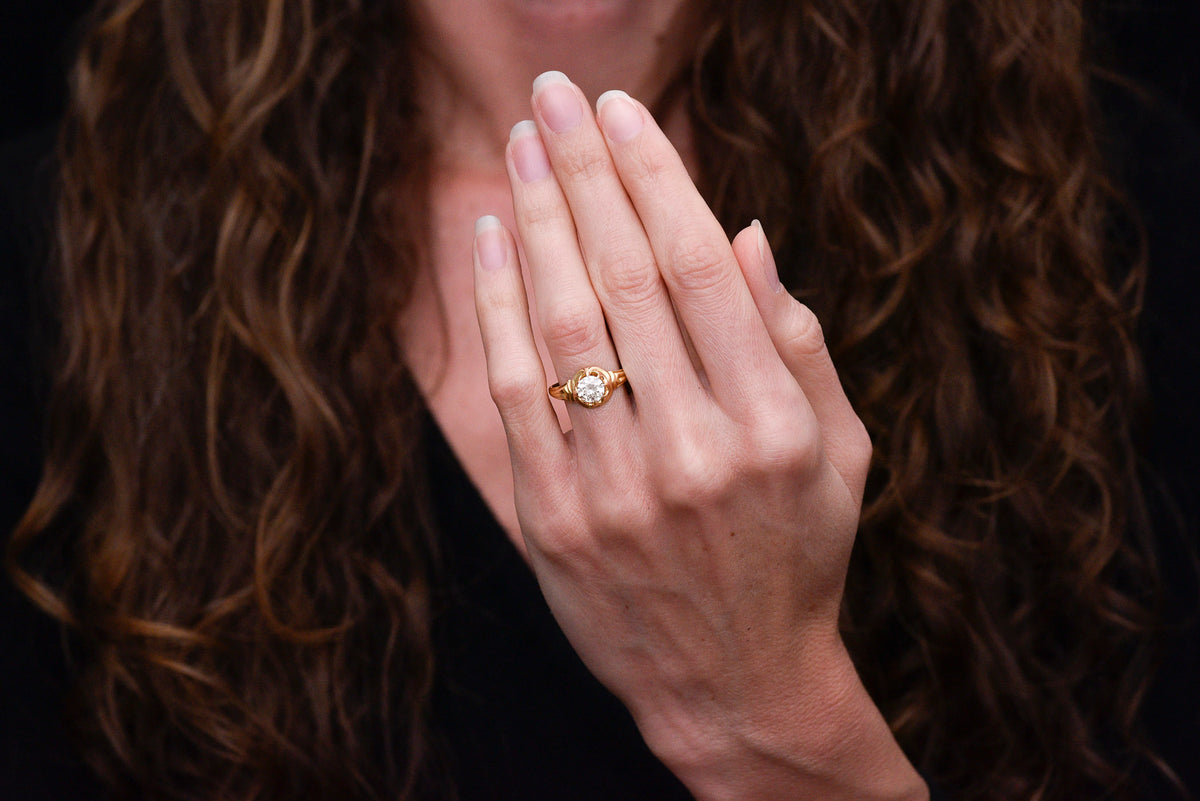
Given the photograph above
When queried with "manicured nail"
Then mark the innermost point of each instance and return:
(529, 156)
(618, 116)
(490, 247)
(768, 259)
(557, 101)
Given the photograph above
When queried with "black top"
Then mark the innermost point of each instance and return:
(521, 716)
(518, 714)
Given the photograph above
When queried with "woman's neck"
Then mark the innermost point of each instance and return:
(478, 59)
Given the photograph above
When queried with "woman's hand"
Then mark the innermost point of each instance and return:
(691, 535)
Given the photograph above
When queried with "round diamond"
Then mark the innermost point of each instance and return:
(590, 389)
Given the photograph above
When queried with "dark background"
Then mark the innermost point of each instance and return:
(35, 38)
(1154, 42)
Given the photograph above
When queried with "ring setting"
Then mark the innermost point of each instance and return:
(590, 387)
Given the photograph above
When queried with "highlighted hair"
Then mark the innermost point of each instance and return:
(231, 469)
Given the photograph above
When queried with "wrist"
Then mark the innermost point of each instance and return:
(821, 736)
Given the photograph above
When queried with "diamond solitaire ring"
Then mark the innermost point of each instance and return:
(590, 387)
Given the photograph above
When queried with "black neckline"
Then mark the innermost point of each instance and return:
(518, 713)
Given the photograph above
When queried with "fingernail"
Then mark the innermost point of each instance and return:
(768, 259)
(556, 100)
(529, 156)
(618, 116)
(489, 243)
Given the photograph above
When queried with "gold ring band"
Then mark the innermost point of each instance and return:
(590, 387)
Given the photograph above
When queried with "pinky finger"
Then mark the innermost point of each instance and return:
(800, 343)
(516, 378)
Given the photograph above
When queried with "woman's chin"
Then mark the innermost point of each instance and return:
(581, 16)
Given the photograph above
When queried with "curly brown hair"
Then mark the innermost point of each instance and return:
(233, 472)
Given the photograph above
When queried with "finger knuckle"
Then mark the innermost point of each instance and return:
(648, 166)
(500, 304)
(563, 541)
(617, 515)
(803, 335)
(690, 474)
(516, 388)
(585, 165)
(539, 212)
(781, 430)
(627, 276)
(573, 327)
(789, 445)
(697, 266)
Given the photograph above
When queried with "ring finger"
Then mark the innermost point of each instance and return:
(568, 312)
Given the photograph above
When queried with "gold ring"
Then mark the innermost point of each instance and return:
(590, 387)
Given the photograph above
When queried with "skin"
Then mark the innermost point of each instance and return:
(479, 61)
(692, 535)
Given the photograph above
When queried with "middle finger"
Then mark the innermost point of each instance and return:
(615, 248)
